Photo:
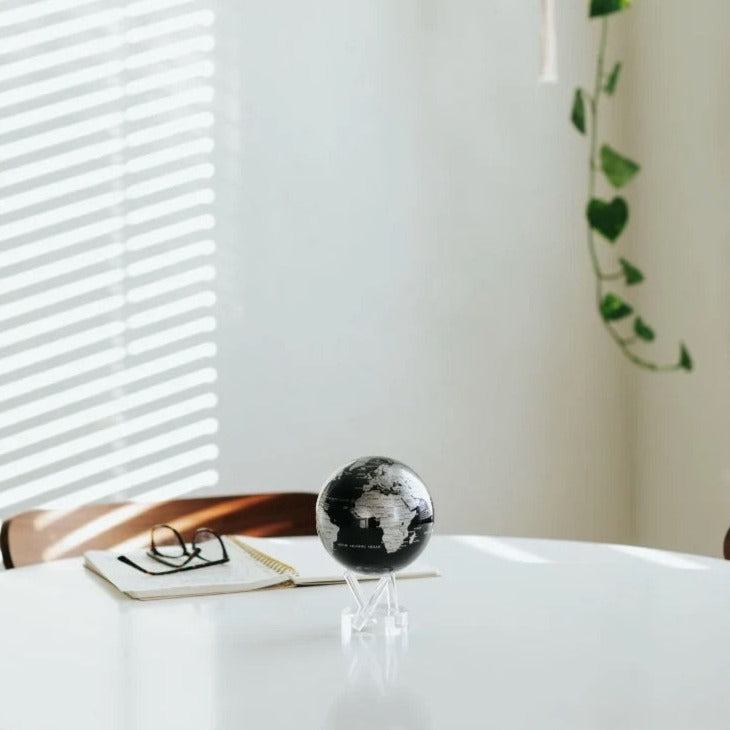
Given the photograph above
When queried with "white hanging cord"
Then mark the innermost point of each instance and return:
(548, 43)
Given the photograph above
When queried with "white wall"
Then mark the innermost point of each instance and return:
(399, 248)
(680, 120)
(402, 265)
(400, 258)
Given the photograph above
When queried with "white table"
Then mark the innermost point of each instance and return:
(516, 634)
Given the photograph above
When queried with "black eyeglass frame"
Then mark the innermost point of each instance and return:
(189, 555)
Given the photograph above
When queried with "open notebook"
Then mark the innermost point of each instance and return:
(255, 562)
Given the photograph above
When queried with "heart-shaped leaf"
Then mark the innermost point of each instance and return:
(604, 7)
(610, 86)
(609, 219)
(617, 168)
(642, 330)
(613, 308)
(631, 273)
(578, 114)
(685, 360)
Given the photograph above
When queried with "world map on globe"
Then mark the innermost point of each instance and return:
(374, 515)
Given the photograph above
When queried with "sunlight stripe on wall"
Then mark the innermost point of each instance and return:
(109, 409)
(107, 251)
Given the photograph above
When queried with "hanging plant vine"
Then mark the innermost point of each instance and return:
(609, 217)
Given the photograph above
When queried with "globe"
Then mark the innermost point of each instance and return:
(374, 515)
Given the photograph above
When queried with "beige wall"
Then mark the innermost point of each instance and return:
(681, 108)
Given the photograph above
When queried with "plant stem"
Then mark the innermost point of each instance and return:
(595, 98)
(623, 343)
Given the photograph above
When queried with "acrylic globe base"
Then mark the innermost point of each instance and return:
(378, 614)
(382, 622)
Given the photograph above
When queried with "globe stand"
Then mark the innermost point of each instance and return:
(379, 614)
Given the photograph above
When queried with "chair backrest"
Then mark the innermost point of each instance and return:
(726, 546)
(41, 535)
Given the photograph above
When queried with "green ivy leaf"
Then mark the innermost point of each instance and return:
(605, 7)
(642, 330)
(609, 219)
(613, 307)
(618, 169)
(578, 114)
(685, 360)
(631, 273)
(610, 86)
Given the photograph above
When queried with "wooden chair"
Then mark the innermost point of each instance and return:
(41, 535)
(726, 546)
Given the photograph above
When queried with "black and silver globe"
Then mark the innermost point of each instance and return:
(374, 515)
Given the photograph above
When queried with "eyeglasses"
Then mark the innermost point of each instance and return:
(168, 548)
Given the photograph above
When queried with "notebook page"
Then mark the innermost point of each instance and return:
(314, 565)
(241, 573)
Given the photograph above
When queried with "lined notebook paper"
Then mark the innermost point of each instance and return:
(255, 563)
